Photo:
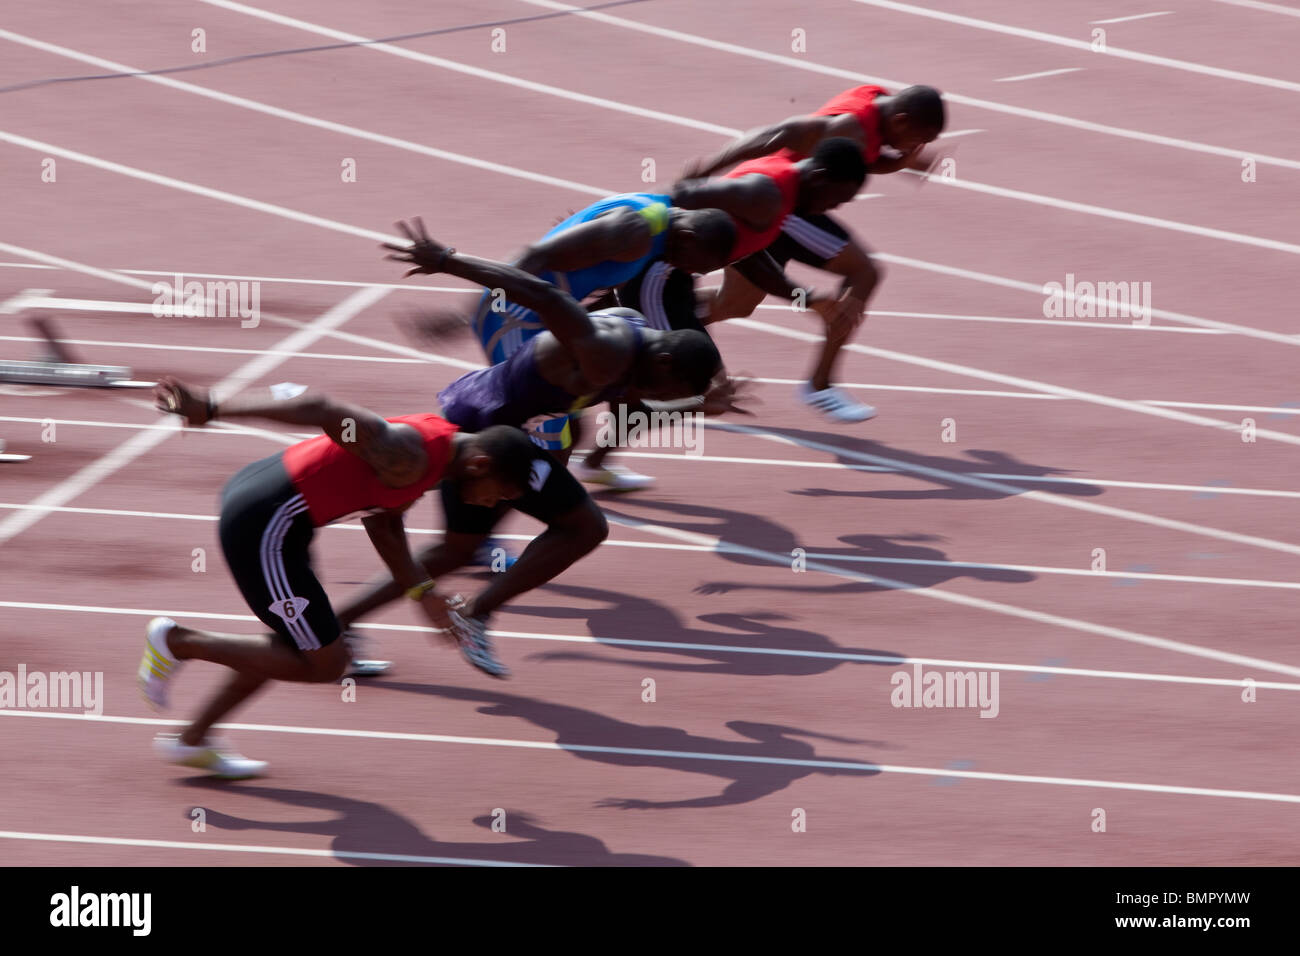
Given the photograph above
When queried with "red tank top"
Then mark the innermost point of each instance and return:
(336, 483)
(861, 102)
(785, 174)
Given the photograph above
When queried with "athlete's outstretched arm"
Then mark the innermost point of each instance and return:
(560, 313)
(387, 532)
(395, 451)
(565, 540)
(799, 133)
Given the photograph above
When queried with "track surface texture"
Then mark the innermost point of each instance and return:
(964, 529)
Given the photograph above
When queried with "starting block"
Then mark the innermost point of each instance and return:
(58, 366)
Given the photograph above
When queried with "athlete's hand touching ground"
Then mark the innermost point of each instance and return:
(188, 401)
(434, 606)
(426, 255)
(722, 397)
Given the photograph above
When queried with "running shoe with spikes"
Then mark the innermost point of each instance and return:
(215, 756)
(158, 665)
(362, 663)
(471, 632)
(614, 477)
(835, 404)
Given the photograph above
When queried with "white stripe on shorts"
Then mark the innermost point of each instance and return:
(813, 238)
(652, 296)
(275, 576)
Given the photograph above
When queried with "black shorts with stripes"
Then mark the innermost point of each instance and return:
(664, 295)
(812, 240)
(265, 535)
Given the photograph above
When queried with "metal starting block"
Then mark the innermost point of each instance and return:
(64, 373)
(58, 366)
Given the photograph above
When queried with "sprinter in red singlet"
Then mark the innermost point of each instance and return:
(363, 465)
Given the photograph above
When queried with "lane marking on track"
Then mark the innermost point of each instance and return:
(1027, 384)
(555, 746)
(705, 549)
(802, 63)
(762, 55)
(848, 656)
(1150, 59)
(1267, 7)
(254, 848)
(1036, 76)
(1135, 16)
(291, 214)
(517, 172)
(145, 441)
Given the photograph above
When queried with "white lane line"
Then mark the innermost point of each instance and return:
(1150, 59)
(206, 192)
(144, 441)
(1267, 7)
(848, 656)
(554, 746)
(961, 132)
(304, 119)
(1037, 289)
(252, 848)
(1035, 76)
(228, 429)
(1135, 16)
(952, 597)
(346, 130)
(1092, 398)
(1044, 497)
(117, 306)
(802, 63)
(1010, 320)
(294, 215)
(328, 356)
(819, 555)
(1105, 212)
(339, 334)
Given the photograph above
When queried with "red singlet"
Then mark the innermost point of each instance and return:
(860, 102)
(336, 483)
(785, 174)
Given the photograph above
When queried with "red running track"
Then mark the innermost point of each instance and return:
(1120, 691)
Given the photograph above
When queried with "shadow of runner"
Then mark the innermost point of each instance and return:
(359, 826)
(634, 617)
(575, 729)
(894, 549)
(980, 461)
(758, 532)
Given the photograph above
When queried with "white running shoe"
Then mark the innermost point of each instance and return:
(615, 477)
(835, 404)
(158, 665)
(214, 756)
(361, 663)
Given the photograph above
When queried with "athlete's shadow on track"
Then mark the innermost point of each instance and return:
(576, 727)
(978, 462)
(359, 826)
(633, 617)
(864, 552)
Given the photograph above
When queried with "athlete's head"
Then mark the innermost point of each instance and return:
(699, 240)
(494, 465)
(831, 176)
(676, 364)
(912, 117)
